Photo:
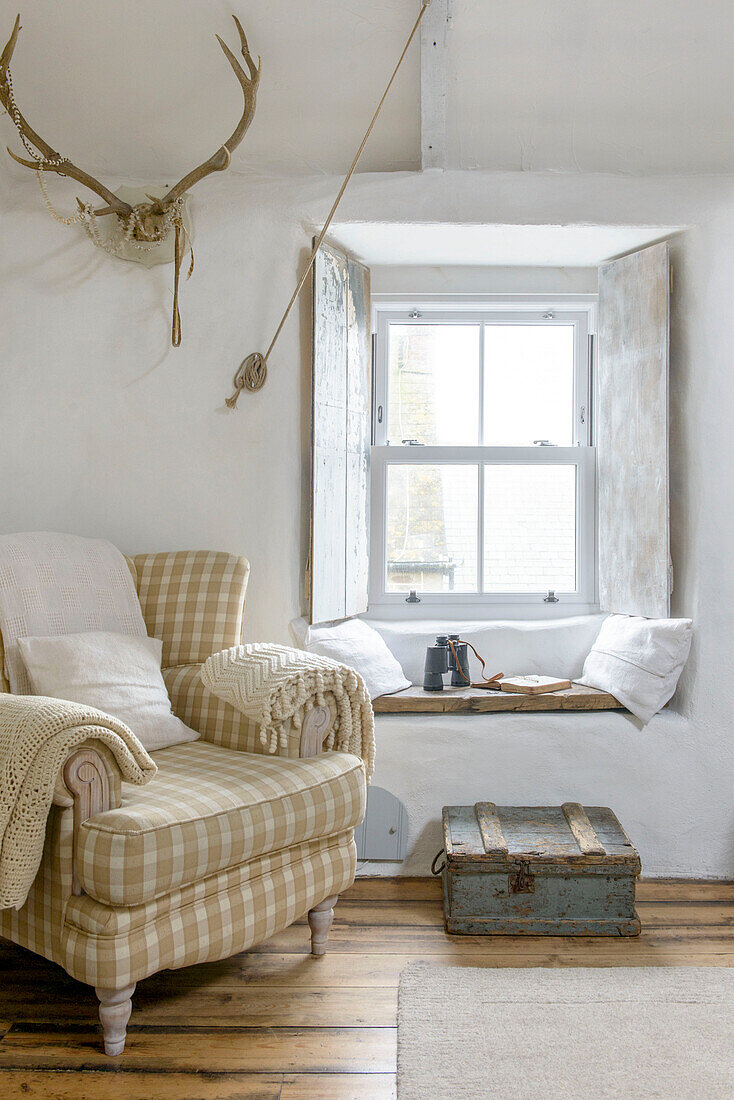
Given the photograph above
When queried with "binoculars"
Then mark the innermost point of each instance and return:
(440, 659)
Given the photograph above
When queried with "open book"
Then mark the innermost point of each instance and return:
(533, 685)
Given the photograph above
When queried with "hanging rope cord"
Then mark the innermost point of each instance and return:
(253, 370)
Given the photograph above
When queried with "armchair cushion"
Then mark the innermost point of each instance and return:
(210, 809)
(119, 674)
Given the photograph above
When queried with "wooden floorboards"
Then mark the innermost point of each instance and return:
(275, 1023)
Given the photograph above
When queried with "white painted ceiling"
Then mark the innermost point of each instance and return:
(493, 245)
(636, 86)
(139, 88)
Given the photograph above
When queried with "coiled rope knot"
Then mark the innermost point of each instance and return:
(251, 376)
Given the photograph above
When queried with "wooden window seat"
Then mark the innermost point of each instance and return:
(459, 700)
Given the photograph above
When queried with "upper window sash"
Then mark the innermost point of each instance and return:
(581, 317)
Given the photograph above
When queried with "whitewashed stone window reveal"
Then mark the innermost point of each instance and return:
(518, 464)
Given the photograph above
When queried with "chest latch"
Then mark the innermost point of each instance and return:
(520, 881)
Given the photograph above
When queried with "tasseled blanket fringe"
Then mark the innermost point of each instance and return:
(277, 686)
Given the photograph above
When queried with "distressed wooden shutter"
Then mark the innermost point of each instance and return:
(631, 430)
(341, 387)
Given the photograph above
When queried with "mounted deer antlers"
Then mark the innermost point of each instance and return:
(145, 224)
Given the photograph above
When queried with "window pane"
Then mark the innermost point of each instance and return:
(434, 384)
(432, 528)
(529, 528)
(528, 384)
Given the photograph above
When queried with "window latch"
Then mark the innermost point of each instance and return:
(543, 443)
(412, 443)
(551, 597)
(413, 597)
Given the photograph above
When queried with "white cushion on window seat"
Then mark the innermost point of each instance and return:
(639, 661)
(354, 643)
(552, 647)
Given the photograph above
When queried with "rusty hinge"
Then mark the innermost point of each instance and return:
(307, 584)
(521, 881)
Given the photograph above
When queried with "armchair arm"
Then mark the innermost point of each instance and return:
(223, 724)
(42, 739)
(105, 764)
(278, 688)
(92, 778)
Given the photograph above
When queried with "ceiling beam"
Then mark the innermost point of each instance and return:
(435, 30)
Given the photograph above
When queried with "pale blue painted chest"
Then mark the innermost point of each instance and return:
(538, 870)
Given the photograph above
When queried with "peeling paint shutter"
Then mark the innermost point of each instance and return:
(631, 421)
(341, 379)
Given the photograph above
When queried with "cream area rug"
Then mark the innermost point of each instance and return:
(587, 1034)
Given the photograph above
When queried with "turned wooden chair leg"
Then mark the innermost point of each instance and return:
(115, 1006)
(320, 919)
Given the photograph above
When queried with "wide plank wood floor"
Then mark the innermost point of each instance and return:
(276, 1024)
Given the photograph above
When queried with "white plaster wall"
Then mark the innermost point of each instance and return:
(669, 784)
(105, 430)
(140, 86)
(457, 279)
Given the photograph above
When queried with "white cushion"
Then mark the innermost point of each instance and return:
(119, 674)
(638, 661)
(547, 647)
(356, 644)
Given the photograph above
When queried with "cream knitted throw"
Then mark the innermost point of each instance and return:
(36, 736)
(275, 686)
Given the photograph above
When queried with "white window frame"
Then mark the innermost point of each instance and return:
(579, 311)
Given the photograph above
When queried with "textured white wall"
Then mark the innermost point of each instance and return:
(105, 430)
(457, 279)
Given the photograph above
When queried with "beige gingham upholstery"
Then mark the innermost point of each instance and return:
(227, 874)
(209, 809)
(39, 925)
(210, 919)
(215, 720)
(193, 601)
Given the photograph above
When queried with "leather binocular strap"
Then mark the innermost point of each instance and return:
(485, 683)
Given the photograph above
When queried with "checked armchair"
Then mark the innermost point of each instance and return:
(224, 847)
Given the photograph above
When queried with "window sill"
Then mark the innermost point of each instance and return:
(414, 700)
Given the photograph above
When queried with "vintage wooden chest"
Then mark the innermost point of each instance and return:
(538, 870)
